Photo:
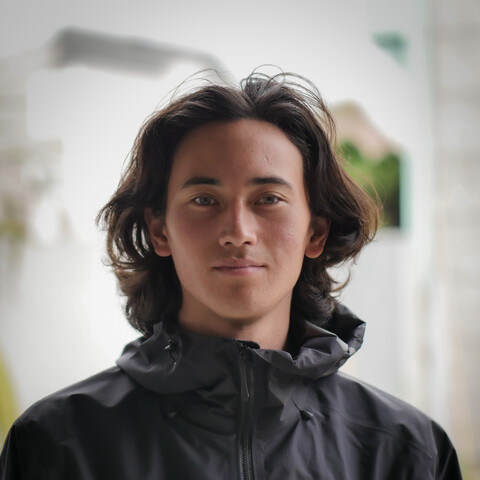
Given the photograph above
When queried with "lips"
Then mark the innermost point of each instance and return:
(237, 263)
(238, 266)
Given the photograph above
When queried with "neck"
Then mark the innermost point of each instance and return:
(268, 331)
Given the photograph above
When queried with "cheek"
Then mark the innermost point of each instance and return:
(185, 237)
(290, 236)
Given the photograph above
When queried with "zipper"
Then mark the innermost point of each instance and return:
(246, 412)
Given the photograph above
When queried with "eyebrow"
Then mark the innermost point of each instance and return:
(201, 181)
(270, 181)
(254, 181)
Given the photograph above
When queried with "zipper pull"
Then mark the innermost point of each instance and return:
(245, 395)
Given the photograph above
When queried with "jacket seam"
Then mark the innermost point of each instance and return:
(427, 453)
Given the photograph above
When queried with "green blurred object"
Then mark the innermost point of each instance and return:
(12, 228)
(379, 178)
(395, 44)
(8, 408)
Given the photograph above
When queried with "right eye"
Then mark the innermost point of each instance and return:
(203, 201)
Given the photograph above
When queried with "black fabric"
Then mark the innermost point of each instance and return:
(183, 406)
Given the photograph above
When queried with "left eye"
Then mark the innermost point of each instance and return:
(269, 200)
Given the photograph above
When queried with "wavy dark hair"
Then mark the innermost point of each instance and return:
(289, 102)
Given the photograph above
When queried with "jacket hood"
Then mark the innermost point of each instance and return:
(173, 360)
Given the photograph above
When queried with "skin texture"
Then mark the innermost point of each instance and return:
(238, 226)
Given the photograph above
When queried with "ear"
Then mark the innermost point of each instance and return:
(318, 236)
(156, 230)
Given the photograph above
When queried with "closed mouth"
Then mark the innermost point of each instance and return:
(238, 267)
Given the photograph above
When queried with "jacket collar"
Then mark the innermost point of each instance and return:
(173, 360)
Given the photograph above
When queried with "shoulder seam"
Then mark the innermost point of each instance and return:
(385, 431)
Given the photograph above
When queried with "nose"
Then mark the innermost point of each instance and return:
(238, 227)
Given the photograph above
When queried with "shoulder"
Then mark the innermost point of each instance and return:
(49, 437)
(380, 419)
(359, 402)
(58, 414)
(365, 401)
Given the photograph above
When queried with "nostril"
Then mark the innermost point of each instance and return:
(238, 227)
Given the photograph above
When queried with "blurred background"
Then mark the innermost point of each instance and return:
(403, 81)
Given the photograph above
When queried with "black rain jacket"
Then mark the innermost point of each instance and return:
(183, 406)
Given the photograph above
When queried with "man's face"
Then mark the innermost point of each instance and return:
(237, 222)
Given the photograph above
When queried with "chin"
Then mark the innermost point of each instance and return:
(238, 317)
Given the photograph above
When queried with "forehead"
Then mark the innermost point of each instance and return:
(237, 149)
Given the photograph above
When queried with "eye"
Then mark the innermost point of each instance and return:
(203, 201)
(269, 200)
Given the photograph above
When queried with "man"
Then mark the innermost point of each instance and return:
(220, 233)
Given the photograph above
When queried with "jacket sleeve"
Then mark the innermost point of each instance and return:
(10, 463)
(447, 467)
(21, 454)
